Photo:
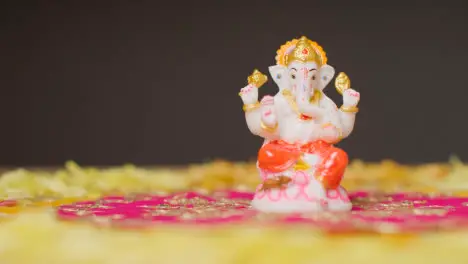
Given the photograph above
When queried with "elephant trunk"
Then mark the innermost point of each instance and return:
(304, 91)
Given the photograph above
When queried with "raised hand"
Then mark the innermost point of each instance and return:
(249, 94)
(330, 133)
(350, 98)
(268, 115)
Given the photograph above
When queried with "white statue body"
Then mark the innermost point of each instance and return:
(300, 168)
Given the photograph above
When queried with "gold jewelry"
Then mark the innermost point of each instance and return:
(340, 132)
(292, 103)
(304, 50)
(288, 96)
(349, 109)
(332, 125)
(301, 165)
(250, 107)
(257, 78)
(327, 125)
(315, 99)
(279, 182)
(267, 128)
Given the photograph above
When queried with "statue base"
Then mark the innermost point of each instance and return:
(296, 198)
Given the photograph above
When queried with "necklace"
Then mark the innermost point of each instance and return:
(292, 103)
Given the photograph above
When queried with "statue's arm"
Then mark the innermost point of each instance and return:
(348, 111)
(260, 116)
(332, 127)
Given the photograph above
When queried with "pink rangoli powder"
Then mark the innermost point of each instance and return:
(372, 212)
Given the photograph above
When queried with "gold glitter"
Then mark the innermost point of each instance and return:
(149, 207)
(182, 201)
(82, 212)
(225, 202)
(163, 206)
(374, 213)
(420, 202)
(187, 216)
(174, 201)
(430, 211)
(201, 202)
(242, 202)
(102, 206)
(406, 204)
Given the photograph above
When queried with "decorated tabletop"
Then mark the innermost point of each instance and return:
(202, 214)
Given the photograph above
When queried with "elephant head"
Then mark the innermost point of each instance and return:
(302, 70)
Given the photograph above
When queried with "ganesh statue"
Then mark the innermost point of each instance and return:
(299, 165)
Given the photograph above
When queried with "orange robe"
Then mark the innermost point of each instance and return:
(278, 155)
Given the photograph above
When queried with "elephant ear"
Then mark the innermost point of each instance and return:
(278, 73)
(326, 75)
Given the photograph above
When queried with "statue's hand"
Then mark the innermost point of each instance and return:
(350, 98)
(268, 114)
(329, 133)
(249, 94)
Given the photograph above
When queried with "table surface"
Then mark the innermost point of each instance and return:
(48, 225)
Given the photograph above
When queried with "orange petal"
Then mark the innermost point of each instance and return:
(331, 170)
(277, 157)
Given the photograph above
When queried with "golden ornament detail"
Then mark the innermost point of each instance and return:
(257, 78)
(342, 83)
(340, 132)
(267, 128)
(315, 99)
(279, 182)
(302, 50)
(250, 107)
(349, 109)
(301, 165)
(292, 103)
(287, 94)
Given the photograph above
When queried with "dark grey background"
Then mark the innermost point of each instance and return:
(153, 82)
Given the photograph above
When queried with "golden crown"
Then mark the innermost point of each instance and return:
(302, 50)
